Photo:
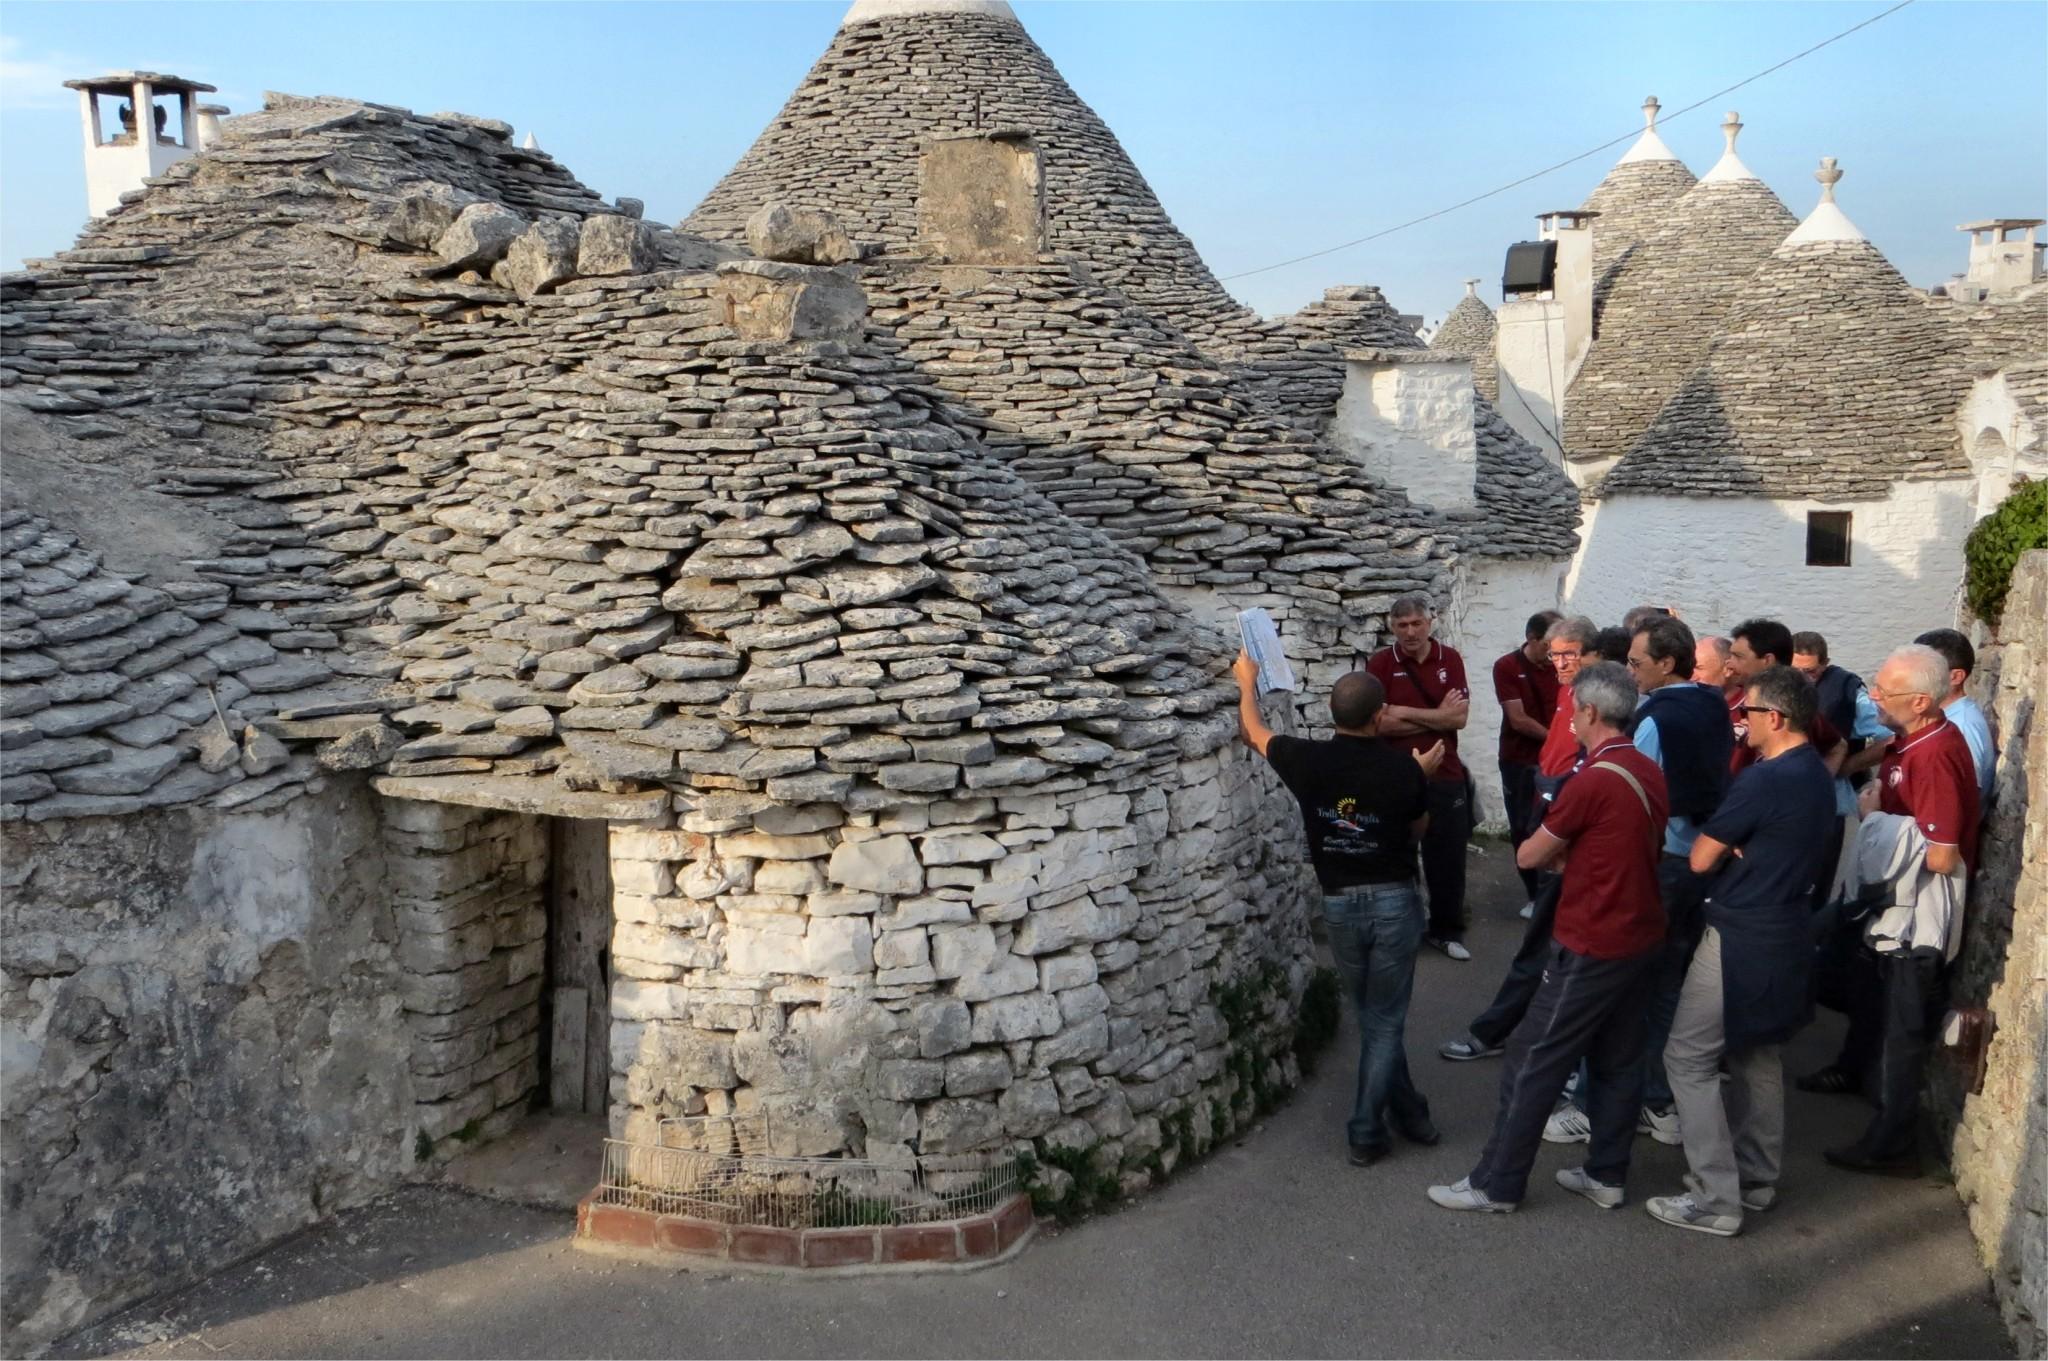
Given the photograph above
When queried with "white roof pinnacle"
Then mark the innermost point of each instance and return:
(1826, 222)
(1471, 288)
(864, 11)
(1730, 166)
(1649, 146)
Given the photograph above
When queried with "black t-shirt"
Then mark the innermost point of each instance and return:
(1357, 797)
(1780, 812)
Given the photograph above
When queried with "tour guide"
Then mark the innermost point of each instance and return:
(1364, 806)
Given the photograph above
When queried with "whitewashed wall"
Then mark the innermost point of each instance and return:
(1495, 597)
(1722, 561)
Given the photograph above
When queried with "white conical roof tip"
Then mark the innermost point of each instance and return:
(1649, 146)
(1471, 288)
(1827, 222)
(1730, 166)
(867, 11)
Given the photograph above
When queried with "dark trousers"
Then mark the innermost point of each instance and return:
(1685, 904)
(1896, 1004)
(1375, 930)
(1525, 971)
(1518, 791)
(1584, 1008)
(1443, 856)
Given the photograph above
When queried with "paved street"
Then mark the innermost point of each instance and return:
(1274, 1246)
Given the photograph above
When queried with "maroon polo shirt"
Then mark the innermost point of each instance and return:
(1423, 685)
(1610, 907)
(1533, 683)
(1929, 777)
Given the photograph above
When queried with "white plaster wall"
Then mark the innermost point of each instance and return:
(1411, 424)
(1531, 356)
(1494, 599)
(2003, 444)
(1722, 561)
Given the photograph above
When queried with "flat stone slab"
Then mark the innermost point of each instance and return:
(519, 794)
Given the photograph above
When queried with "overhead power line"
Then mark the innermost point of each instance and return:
(1629, 136)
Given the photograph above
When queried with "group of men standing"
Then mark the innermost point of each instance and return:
(1713, 833)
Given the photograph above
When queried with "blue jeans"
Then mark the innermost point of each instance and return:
(1375, 930)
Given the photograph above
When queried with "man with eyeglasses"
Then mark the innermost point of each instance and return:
(1683, 727)
(1920, 825)
(1746, 992)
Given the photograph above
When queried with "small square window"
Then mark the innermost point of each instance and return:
(1827, 538)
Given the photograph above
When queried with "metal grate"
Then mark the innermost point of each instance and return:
(728, 1185)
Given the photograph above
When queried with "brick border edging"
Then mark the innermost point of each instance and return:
(955, 1244)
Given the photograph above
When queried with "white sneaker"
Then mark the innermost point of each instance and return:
(1754, 1197)
(1463, 1195)
(1456, 950)
(1661, 1127)
(1528, 911)
(1684, 1212)
(1576, 1180)
(1567, 1125)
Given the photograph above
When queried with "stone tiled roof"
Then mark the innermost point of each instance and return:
(1663, 309)
(530, 517)
(1633, 200)
(848, 141)
(1830, 378)
(1469, 330)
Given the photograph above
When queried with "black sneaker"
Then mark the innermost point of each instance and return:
(1365, 1155)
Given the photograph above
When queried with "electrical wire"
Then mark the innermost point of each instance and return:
(1572, 160)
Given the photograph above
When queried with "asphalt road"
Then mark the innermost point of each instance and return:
(1273, 1246)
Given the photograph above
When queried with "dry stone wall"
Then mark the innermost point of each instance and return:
(466, 887)
(1999, 1136)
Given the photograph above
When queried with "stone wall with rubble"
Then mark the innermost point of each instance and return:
(224, 1025)
(206, 1043)
(1999, 1137)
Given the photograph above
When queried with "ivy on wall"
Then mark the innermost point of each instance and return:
(1993, 549)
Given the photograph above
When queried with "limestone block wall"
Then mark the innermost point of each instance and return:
(1010, 963)
(1723, 560)
(1999, 1143)
(204, 1044)
(466, 888)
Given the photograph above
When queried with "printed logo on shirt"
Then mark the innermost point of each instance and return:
(1897, 776)
(1443, 674)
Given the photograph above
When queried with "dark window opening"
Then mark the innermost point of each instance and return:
(1827, 538)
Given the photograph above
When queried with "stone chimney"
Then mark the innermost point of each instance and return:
(2005, 253)
(981, 199)
(1572, 286)
(209, 125)
(1406, 415)
(137, 124)
(1545, 325)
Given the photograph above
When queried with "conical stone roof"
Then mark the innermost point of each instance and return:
(895, 75)
(1664, 308)
(1632, 201)
(1469, 330)
(848, 141)
(1830, 378)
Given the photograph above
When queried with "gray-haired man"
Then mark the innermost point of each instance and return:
(1594, 998)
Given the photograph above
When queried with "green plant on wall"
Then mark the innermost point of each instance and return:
(1994, 547)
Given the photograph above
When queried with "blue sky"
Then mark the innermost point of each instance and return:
(1268, 129)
